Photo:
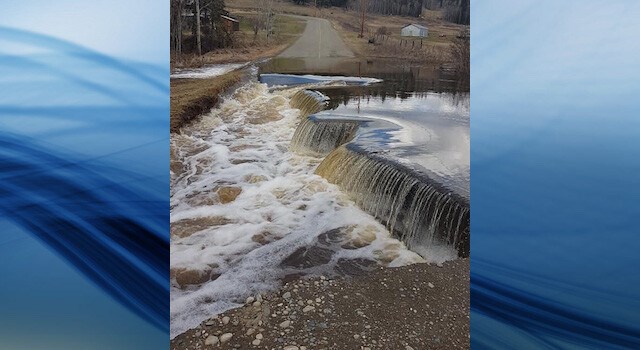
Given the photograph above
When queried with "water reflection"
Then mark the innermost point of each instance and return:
(398, 145)
(397, 77)
(429, 130)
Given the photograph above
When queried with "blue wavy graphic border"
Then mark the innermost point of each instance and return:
(84, 198)
(554, 164)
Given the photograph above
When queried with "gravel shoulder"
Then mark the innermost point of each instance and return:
(412, 307)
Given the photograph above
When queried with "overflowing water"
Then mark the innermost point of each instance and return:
(304, 174)
(209, 71)
(319, 137)
(292, 79)
(308, 102)
(404, 160)
(247, 212)
(420, 212)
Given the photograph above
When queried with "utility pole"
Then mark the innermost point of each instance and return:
(363, 7)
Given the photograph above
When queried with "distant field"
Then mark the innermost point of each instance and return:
(284, 27)
(435, 47)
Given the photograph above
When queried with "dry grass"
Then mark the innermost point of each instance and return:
(410, 50)
(228, 55)
(434, 48)
(246, 47)
(280, 6)
(193, 97)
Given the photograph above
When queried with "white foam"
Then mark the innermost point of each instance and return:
(290, 205)
(321, 79)
(206, 72)
(356, 80)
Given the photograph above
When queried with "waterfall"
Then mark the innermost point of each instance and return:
(417, 210)
(319, 137)
(308, 102)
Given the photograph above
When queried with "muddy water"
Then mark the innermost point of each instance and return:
(403, 158)
(250, 208)
(428, 130)
(397, 77)
(398, 147)
(246, 212)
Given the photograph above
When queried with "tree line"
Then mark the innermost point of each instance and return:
(456, 11)
(412, 8)
(323, 3)
(197, 26)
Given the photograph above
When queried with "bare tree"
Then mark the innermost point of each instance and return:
(256, 24)
(177, 12)
(204, 18)
(461, 54)
(363, 9)
(270, 17)
(264, 19)
(198, 28)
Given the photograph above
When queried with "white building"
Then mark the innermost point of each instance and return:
(414, 30)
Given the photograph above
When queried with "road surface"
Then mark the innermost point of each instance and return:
(319, 40)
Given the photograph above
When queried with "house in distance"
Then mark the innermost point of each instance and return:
(414, 30)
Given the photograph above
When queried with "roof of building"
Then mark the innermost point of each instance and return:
(415, 25)
(229, 18)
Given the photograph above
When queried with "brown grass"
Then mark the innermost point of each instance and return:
(434, 48)
(246, 47)
(228, 55)
(193, 97)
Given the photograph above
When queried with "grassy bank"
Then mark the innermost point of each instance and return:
(193, 97)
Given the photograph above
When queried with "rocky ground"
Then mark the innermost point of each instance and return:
(413, 307)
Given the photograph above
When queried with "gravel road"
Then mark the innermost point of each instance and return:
(319, 40)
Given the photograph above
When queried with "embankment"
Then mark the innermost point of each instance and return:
(191, 98)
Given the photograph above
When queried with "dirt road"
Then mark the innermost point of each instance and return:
(319, 40)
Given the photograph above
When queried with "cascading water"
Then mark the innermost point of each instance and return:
(419, 211)
(319, 137)
(248, 213)
(308, 102)
(414, 206)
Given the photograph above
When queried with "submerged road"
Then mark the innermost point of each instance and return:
(319, 40)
